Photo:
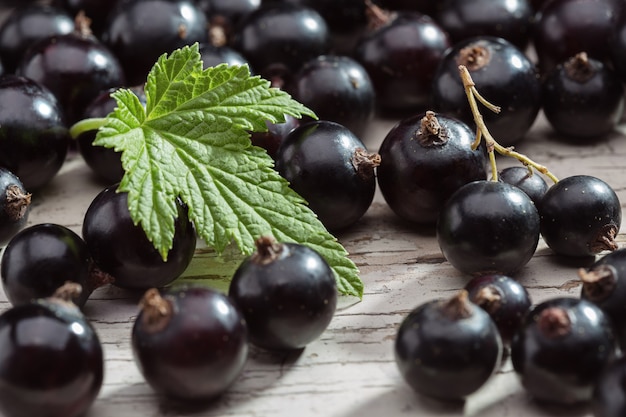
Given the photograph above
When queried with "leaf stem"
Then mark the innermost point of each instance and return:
(85, 125)
(473, 97)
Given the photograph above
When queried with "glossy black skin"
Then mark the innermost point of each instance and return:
(55, 367)
(488, 227)
(401, 58)
(342, 16)
(609, 394)
(287, 302)
(316, 158)
(28, 24)
(75, 67)
(280, 38)
(573, 213)
(214, 55)
(583, 109)
(563, 369)
(140, 31)
(106, 163)
(122, 249)
(532, 184)
(446, 357)
(201, 350)
(463, 19)
(336, 88)
(416, 178)
(33, 133)
(11, 222)
(40, 259)
(96, 10)
(509, 80)
(276, 133)
(508, 311)
(610, 294)
(560, 32)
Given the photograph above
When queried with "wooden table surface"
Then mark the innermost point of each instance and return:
(350, 371)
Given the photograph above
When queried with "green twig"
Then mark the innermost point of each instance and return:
(483, 132)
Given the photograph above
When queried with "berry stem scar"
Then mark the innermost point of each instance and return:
(473, 97)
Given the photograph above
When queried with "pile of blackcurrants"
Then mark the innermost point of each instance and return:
(434, 64)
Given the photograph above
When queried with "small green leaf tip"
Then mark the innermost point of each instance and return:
(192, 141)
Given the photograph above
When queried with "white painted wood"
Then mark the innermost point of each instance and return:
(350, 370)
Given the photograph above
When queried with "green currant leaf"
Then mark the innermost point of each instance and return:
(191, 141)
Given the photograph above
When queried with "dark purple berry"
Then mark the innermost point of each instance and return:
(401, 56)
(280, 38)
(604, 284)
(189, 342)
(276, 133)
(331, 169)
(503, 298)
(212, 56)
(528, 181)
(42, 258)
(488, 227)
(287, 293)
(14, 205)
(580, 216)
(336, 88)
(33, 134)
(447, 348)
(28, 24)
(505, 77)
(564, 28)
(121, 249)
(140, 31)
(583, 99)
(76, 67)
(464, 19)
(424, 159)
(561, 349)
(52, 361)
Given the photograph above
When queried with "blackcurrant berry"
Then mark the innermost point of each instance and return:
(121, 249)
(604, 284)
(214, 55)
(280, 38)
(447, 348)
(287, 293)
(580, 216)
(583, 99)
(139, 31)
(276, 133)
(189, 342)
(33, 134)
(528, 181)
(503, 298)
(331, 169)
(41, 258)
(14, 205)
(76, 67)
(401, 56)
(561, 348)
(503, 74)
(561, 31)
(28, 24)
(52, 361)
(464, 19)
(488, 227)
(336, 88)
(96, 10)
(423, 160)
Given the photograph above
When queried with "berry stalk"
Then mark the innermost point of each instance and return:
(473, 97)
